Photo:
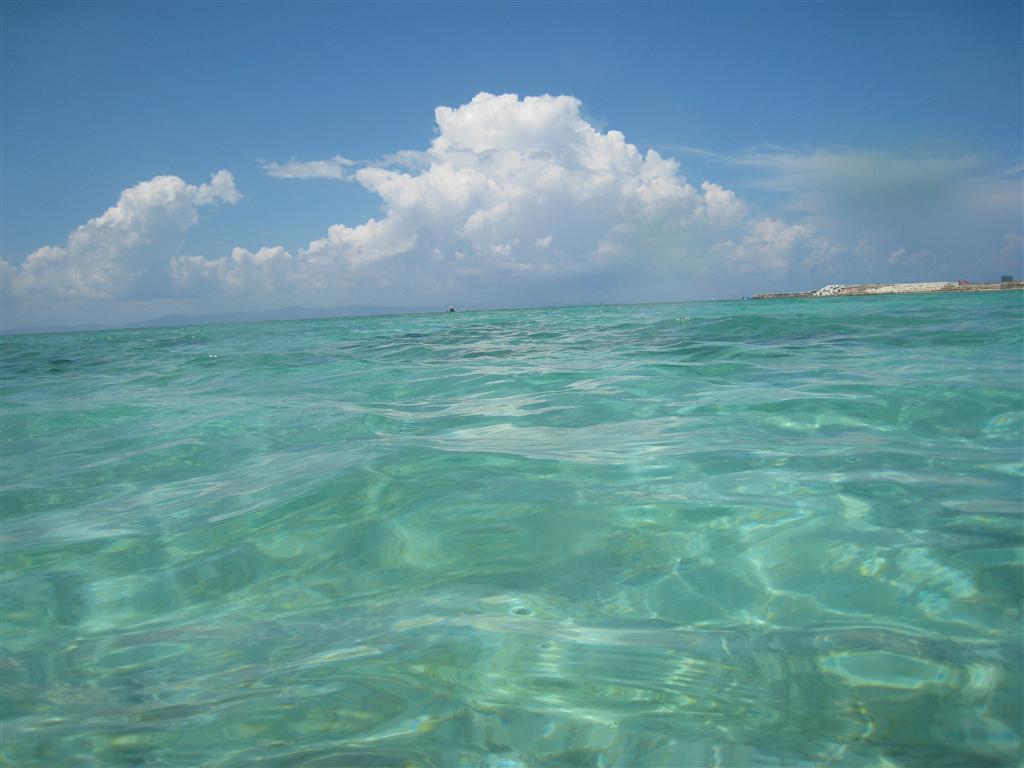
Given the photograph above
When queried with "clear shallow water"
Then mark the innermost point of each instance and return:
(748, 533)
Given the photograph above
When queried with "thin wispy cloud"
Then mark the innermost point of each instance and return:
(939, 208)
(819, 177)
(332, 168)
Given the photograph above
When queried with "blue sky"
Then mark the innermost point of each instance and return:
(794, 144)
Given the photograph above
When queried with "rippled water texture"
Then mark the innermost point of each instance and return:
(745, 533)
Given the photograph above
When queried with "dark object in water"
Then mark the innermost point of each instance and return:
(451, 309)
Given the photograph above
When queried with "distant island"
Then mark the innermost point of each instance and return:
(878, 289)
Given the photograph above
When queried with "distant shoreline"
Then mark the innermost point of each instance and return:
(886, 289)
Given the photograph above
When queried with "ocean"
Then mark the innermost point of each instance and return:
(756, 533)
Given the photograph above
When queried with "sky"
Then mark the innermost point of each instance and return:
(199, 158)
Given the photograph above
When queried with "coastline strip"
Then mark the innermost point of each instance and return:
(883, 289)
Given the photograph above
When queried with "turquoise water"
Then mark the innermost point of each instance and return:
(744, 533)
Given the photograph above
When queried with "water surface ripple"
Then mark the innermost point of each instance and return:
(748, 533)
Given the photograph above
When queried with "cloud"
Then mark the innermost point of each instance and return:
(768, 244)
(827, 180)
(1010, 257)
(901, 257)
(123, 253)
(331, 168)
(721, 206)
(1013, 245)
(515, 201)
(242, 273)
(947, 211)
(896, 197)
(510, 191)
(851, 172)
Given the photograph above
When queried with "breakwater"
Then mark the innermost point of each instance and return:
(876, 289)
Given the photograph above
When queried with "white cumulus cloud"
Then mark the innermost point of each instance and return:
(124, 252)
(516, 200)
(510, 188)
(768, 244)
(721, 206)
(244, 272)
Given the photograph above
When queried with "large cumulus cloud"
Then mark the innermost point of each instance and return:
(123, 253)
(511, 191)
(515, 200)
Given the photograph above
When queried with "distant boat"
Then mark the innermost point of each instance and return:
(451, 309)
